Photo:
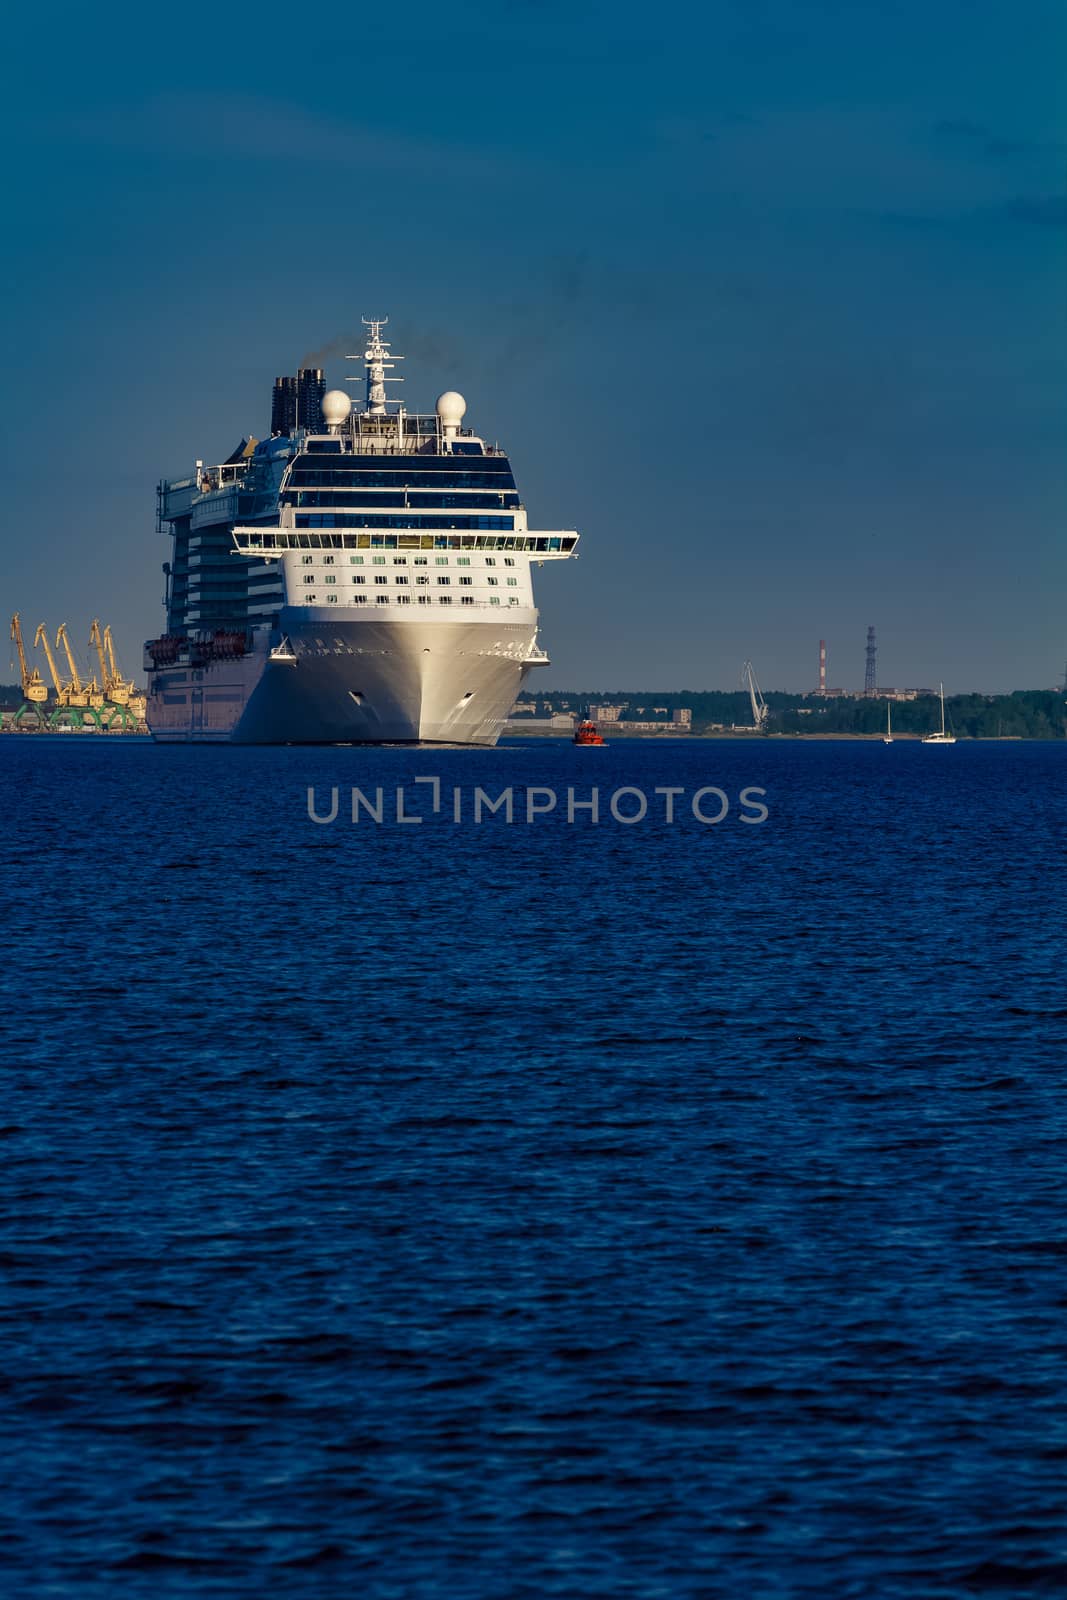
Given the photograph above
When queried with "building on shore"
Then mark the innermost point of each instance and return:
(624, 725)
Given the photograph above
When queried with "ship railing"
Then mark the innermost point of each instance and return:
(223, 475)
(408, 445)
(539, 544)
(369, 606)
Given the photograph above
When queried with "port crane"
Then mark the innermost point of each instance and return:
(121, 692)
(121, 688)
(88, 695)
(62, 689)
(71, 693)
(134, 699)
(96, 639)
(759, 705)
(34, 687)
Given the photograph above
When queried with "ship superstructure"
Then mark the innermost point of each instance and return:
(366, 583)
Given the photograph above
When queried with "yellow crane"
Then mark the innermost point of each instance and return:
(96, 639)
(120, 686)
(115, 688)
(62, 689)
(76, 695)
(33, 685)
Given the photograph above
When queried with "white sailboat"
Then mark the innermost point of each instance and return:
(887, 737)
(942, 737)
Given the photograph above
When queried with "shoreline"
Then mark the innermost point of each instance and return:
(804, 738)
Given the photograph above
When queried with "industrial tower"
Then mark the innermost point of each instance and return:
(870, 682)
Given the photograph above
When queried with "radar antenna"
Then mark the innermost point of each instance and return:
(377, 358)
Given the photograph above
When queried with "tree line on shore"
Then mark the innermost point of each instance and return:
(1023, 714)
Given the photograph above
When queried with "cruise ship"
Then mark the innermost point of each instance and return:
(365, 578)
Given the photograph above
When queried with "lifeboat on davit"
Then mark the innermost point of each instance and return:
(586, 733)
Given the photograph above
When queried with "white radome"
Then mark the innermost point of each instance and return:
(335, 407)
(451, 408)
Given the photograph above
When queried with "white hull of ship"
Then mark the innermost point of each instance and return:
(353, 680)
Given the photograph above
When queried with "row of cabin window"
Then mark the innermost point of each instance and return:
(318, 475)
(408, 521)
(402, 580)
(402, 561)
(405, 600)
(413, 499)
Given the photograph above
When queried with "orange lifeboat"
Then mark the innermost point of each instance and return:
(586, 734)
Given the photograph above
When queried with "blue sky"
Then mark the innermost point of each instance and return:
(767, 300)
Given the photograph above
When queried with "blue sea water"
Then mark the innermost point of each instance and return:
(451, 1212)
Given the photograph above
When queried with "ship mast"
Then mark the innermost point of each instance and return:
(377, 358)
